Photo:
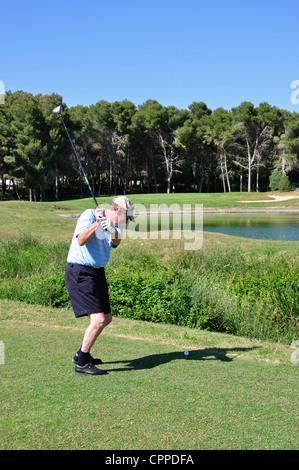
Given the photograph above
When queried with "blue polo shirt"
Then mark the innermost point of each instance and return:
(96, 252)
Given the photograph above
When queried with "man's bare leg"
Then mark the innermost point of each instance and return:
(98, 321)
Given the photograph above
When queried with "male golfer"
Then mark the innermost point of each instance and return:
(96, 232)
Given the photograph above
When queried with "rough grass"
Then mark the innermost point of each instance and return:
(220, 288)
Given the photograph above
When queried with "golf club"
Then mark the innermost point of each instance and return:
(58, 110)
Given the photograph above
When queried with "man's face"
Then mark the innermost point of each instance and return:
(122, 216)
(118, 217)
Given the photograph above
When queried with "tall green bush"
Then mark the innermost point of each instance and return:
(32, 271)
(279, 181)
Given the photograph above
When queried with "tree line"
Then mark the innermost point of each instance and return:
(126, 148)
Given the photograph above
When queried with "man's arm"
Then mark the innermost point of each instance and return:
(87, 234)
(115, 238)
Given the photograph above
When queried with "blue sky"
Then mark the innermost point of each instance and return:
(173, 51)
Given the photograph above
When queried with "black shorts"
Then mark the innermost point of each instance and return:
(88, 289)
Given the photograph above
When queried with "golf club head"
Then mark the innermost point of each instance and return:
(57, 110)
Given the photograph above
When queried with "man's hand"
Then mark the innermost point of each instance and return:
(108, 225)
(99, 214)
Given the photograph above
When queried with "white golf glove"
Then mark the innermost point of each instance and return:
(108, 225)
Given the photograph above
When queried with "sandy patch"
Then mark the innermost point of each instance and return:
(275, 199)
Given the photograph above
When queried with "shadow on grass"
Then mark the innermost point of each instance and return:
(155, 360)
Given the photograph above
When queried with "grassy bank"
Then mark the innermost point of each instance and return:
(238, 286)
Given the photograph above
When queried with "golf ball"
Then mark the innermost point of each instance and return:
(186, 354)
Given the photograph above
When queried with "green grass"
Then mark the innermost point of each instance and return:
(232, 393)
(39, 219)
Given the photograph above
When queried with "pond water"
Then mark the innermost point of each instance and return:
(266, 226)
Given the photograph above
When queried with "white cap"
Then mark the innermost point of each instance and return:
(125, 203)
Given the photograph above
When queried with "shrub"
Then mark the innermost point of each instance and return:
(279, 181)
(32, 271)
(284, 184)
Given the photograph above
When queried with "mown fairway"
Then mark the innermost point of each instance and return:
(231, 393)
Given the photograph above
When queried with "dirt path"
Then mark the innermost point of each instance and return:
(275, 199)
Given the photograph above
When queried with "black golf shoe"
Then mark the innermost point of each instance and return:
(90, 358)
(89, 369)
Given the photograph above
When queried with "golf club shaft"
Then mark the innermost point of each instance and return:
(86, 179)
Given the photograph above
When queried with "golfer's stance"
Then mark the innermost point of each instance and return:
(96, 232)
